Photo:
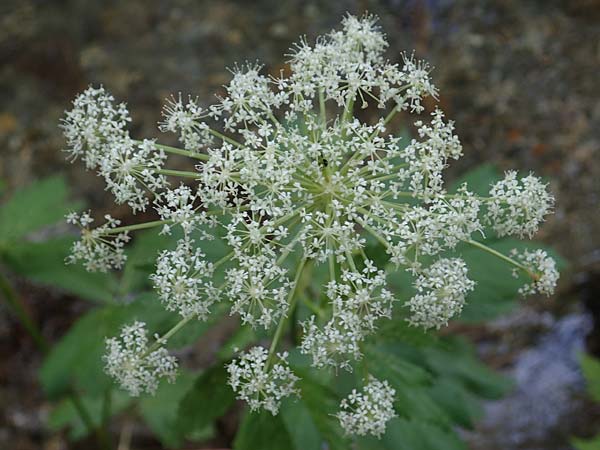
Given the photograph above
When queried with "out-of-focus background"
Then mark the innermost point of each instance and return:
(519, 78)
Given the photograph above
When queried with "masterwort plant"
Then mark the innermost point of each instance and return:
(293, 179)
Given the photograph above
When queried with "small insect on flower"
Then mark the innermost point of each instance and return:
(136, 366)
(367, 412)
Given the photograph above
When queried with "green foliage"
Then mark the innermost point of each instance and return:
(160, 410)
(587, 444)
(591, 371)
(43, 203)
(590, 367)
(263, 431)
(438, 381)
(30, 212)
(208, 399)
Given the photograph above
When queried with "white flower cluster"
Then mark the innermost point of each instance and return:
(357, 301)
(95, 130)
(183, 280)
(518, 206)
(137, 367)
(441, 291)
(260, 384)
(100, 248)
(542, 270)
(367, 412)
(185, 119)
(291, 179)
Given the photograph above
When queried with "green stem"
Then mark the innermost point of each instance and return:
(502, 256)
(138, 226)
(374, 233)
(292, 297)
(162, 340)
(224, 138)
(179, 173)
(180, 151)
(322, 107)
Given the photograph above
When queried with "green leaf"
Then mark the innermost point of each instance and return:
(460, 405)
(261, 430)
(402, 434)
(77, 358)
(42, 203)
(591, 371)
(455, 360)
(479, 180)
(496, 290)
(384, 364)
(206, 400)
(141, 259)
(160, 410)
(300, 425)
(584, 444)
(44, 262)
(322, 403)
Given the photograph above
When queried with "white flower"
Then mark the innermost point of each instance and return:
(101, 248)
(367, 412)
(358, 301)
(441, 291)
(518, 206)
(260, 385)
(137, 367)
(95, 130)
(186, 119)
(258, 290)
(94, 123)
(181, 206)
(542, 270)
(183, 280)
(290, 178)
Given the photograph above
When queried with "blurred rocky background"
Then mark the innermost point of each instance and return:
(520, 79)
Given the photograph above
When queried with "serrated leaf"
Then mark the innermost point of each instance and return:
(261, 430)
(42, 203)
(206, 400)
(77, 358)
(159, 411)
(384, 364)
(455, 360)
(402, 434)
(461, 406)
(44, 262)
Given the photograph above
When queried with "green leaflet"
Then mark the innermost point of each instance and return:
(208, 398)
(42, 203)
